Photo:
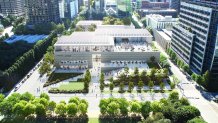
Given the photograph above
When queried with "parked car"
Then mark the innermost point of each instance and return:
(15, 89)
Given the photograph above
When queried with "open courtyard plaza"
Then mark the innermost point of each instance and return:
(34, 85)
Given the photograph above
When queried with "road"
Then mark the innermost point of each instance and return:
(35, 82)
(199, 99)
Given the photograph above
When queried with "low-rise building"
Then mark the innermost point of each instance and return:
(163, 38)
(160, 22)
(106, 45)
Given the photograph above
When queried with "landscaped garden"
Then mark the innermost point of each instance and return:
(140, 80)
(58, 77)
(79, 86)
(170, 110)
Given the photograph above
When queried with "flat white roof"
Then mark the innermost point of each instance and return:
(123, 32)
(89, 22)
(85, 38)
(164, 35)
(103, 35)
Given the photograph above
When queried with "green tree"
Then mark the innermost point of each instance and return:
(27, 96)
(145, 108)
(18, 109)
(101, 80)
(121, 88)
(2, 97)
(135, 107)
(140, 85)
(197, 120)
(184, 101)
(174, 96)
(185, 113)
(6, 108)
(207, 79)
(60, 109)
(168, 111)
(113, 108)
(29, 109)
(82, 108)
(150, 85)
(51, 106)
(156, 106)
(153, 71)
(111, 86)
(103, 106)
(44, 95)
(44, 102)
(6, 35)
(123, 105)
(75, 100)
(60, 28)
(136, 75)
(172, 85)
(72, 109)
(40, 110)
(45, 68)
(130, 87)
(162, 86)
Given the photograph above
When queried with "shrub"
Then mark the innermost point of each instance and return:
(44, 95)
(197, 120)
(185, 113)
(145, 108)
(72, 109)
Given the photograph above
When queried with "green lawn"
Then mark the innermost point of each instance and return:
(72, 86)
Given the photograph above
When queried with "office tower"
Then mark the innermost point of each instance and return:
(42, 11)
(99, 5)
(175, 4)
(124, 7)
(195, 39)
(68, 8)
(12, 7)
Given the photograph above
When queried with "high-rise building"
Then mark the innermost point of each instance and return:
(12, 7)
(124, 7)
(99, 5)
(175, 4)
(195, 39)
(42, 11)
(68, 8)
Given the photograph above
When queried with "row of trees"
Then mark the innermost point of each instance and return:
(24, 105)
(44, 28)
(48, 60)
(172, 109)
(25, 63)
(203, 80)
(163, 62)
(154, 77)
(179, 62)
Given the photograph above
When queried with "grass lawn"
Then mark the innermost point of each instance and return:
(93, 120)
(72, 86)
